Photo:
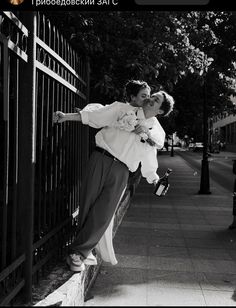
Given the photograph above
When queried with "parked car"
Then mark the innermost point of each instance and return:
(191, 145)
(198, 146)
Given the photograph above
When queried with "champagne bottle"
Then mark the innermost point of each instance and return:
(162, 184)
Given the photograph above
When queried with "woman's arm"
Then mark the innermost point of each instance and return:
(94, 115)
(60, 117)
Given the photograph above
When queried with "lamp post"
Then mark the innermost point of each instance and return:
(233, 225)
(205, 181)
(210, 136)
(172, 146)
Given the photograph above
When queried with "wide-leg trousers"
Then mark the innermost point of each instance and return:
(101, 190)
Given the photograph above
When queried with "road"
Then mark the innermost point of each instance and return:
(220, 166)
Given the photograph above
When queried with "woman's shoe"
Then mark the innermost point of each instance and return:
(75, 263)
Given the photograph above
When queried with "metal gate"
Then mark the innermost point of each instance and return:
(41, 164)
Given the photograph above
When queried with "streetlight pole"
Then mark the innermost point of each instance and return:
(172, 146)
(205, 181)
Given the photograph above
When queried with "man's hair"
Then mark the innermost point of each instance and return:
(133, 87)
(167, 104)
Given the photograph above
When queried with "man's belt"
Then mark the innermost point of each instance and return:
(98, 149)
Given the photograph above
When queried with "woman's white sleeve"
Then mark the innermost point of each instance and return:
(97, 115)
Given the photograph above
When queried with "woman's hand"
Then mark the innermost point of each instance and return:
(59, 117)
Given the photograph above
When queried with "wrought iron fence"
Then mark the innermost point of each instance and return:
(41, 164)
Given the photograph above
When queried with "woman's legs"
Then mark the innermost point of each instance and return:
(103, 187)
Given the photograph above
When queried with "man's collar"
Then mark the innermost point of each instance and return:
(140, 114)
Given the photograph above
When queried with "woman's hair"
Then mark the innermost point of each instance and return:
(167, 104)
(15, 2)
(133, 87)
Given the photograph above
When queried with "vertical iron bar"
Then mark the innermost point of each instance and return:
(87, 79)
(42, 159)
(47, 157)
(73, 157)
(57, 149)
(51, 138)
(39, 162)
(60, 162)
(70, 155)
(76, 159)
(63, 140)
(6, 68)
(66, 149)
(27, 159)
(15, 175)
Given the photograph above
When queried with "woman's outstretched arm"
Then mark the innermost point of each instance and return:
(60, 117)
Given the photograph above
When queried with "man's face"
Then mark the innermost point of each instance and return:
(157, 99)
(141, 96)
(153, 104)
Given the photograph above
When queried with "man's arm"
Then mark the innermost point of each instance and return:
(157, 134)
(149, 165)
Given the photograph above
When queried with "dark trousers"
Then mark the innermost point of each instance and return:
(103, 185)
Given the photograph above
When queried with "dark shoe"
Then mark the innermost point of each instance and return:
(75, 263)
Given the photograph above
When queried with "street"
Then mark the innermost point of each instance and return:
(220, 166)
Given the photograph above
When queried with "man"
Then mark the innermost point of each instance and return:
(118, 151)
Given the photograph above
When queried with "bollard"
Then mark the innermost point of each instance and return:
(233, 225)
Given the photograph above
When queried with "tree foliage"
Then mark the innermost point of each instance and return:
(177, 51)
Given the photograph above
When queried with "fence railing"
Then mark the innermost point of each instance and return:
(41, 164)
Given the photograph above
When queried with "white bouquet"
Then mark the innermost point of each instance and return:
(127, 121)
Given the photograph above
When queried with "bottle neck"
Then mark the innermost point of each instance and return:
(168, 172)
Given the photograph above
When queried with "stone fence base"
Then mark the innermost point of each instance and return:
(65, 288)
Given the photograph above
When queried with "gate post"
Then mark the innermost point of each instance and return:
(27, 150)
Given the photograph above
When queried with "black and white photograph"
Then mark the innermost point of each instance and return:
(118, 154)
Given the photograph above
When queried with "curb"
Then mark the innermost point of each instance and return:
(75, 291)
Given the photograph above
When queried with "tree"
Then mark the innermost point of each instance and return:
(165, 48)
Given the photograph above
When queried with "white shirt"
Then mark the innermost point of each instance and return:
(125, 146)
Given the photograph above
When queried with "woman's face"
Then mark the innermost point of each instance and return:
(138, 100)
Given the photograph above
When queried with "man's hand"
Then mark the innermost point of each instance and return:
(59, 117)
(139, 129)
(155, 182)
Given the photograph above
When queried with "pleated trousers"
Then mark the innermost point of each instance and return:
(101, 190)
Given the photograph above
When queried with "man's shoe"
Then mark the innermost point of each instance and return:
(90, 260)
(75, 263)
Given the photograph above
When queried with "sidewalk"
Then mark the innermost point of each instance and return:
(174, 250)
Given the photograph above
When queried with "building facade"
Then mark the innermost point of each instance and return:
(222, 129)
